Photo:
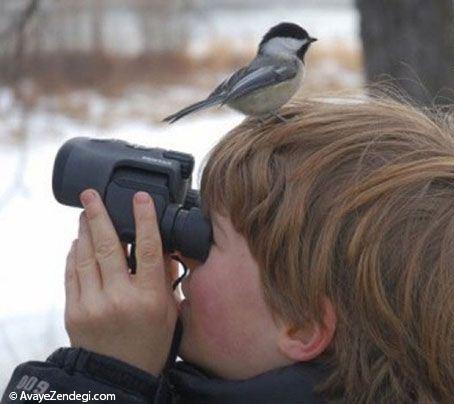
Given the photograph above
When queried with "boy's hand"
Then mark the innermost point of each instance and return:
(108, 310)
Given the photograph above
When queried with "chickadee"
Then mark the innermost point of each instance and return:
(269, 81)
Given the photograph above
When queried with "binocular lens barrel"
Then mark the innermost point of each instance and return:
(117, 170)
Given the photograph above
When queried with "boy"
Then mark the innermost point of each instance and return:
(329, 279)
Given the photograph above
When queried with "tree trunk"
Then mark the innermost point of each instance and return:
(411, 41)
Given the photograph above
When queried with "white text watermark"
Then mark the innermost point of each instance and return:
(52, 395)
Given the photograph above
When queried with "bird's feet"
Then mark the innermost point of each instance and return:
(263, 118)
(262, 121)
(279, 116)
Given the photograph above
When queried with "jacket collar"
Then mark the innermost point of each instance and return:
(291, 384)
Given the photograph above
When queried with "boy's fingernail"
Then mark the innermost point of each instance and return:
(82, 223)
(87, 196)
(142, 197)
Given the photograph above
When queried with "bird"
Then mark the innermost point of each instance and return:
(268, 82)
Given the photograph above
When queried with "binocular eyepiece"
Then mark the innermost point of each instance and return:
(117, 170)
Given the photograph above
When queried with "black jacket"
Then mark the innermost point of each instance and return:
(76, 370)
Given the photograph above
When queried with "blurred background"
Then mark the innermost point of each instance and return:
(116, 68)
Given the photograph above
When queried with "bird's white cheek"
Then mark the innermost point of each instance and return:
(278, 46)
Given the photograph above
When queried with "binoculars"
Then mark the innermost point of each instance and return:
(117, 170)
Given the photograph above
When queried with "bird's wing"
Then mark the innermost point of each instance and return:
(226, 85)
(255, 79)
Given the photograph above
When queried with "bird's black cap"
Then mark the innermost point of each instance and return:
(285, 30)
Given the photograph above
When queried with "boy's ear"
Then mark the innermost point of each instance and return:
(301, 344)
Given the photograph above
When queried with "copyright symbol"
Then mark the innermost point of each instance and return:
(12, 395)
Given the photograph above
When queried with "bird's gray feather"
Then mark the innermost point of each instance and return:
(210, 101)
(262, 77)
(260, 73)
(226, 85)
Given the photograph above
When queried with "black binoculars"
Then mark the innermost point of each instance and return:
(117, 170)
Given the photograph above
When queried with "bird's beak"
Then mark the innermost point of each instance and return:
(312, 40)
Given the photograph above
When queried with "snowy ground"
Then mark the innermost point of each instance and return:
(36, 231)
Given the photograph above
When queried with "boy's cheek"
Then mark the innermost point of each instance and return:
(212, 314)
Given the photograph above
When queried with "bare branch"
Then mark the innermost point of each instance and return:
(18, 26)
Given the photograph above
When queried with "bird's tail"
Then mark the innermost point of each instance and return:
(192, 108)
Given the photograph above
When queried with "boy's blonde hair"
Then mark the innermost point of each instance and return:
(354, 201)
